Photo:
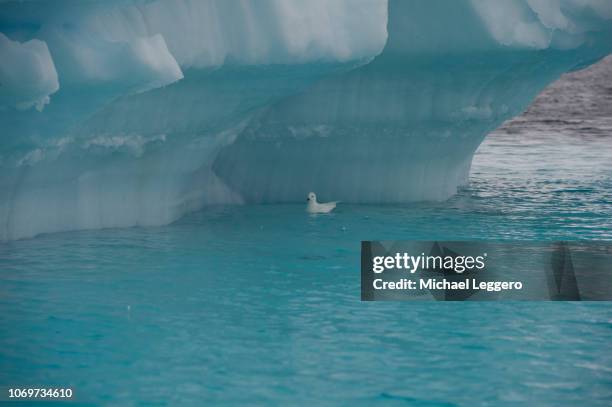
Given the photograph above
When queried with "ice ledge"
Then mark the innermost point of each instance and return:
(397, 127)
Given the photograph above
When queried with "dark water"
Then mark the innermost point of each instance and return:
(260, 304)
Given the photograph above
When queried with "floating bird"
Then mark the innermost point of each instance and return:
(315, 207)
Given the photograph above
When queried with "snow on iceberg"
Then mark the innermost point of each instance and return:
(164, 107)
(27, 74)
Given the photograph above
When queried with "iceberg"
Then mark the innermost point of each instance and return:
(135, 112)
(30, 77)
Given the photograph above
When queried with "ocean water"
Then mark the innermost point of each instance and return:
(259, 305)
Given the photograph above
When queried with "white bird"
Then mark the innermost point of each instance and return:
(315, 207)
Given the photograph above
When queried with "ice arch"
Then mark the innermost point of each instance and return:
(158, 114)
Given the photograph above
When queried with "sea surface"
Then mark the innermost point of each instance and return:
(259, 305)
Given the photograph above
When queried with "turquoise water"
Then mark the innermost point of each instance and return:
(260, 304)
